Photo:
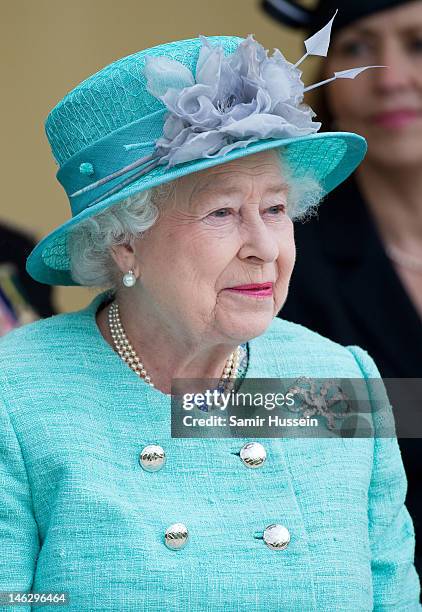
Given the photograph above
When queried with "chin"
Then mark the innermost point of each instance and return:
(245, 330)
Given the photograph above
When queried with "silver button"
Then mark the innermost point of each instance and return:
(152, 458)
(176, 536)
(277, 537)
(253, 454)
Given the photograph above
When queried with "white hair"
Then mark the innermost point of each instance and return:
(91, 241)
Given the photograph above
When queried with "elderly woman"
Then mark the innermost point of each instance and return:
(185, 165)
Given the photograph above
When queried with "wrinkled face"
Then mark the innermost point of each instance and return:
(227, 227)
(382, 104)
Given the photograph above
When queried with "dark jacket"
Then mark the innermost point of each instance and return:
(345, 287)
(15, 247)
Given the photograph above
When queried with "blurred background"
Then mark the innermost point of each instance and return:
(48, 47)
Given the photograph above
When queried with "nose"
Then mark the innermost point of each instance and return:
(259, 244)
(399, 72)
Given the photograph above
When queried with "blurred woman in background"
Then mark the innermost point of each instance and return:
(365, 246)
(22, 299)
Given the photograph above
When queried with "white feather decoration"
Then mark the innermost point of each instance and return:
(319, 43)
(343, 74)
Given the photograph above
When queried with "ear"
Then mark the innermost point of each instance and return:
(125, 257)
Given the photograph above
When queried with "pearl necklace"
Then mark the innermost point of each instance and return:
(404, 259)
(129, 355)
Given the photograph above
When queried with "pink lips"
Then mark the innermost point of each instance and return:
(255, 290)
(397, 119)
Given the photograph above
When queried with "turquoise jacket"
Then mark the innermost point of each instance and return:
(78, 514)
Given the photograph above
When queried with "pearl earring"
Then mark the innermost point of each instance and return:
(129, 279)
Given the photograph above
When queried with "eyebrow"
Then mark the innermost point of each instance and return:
(221, 193)
(224, 189)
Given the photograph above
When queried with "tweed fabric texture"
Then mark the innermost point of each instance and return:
(78, 513)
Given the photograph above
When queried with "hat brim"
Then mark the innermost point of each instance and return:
(330, 157)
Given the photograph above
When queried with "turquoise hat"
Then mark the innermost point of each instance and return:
(174, 109)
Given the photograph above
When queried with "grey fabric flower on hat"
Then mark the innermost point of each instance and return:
(231, 101)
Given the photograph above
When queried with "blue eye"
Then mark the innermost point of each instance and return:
(221, 213)
(224, 213)
(280, 208)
